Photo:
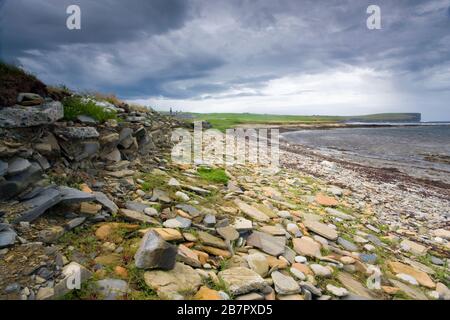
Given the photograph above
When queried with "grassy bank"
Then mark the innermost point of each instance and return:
(223, 121)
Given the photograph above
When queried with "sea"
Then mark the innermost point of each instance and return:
(423, 150)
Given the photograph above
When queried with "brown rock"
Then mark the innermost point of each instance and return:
(90, 208)
(205, 293)
(421, 277)
(326, 201)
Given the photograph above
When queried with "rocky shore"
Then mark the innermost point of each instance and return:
(100, 203)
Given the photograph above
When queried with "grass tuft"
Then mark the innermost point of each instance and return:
(76, 106)
(213, 175)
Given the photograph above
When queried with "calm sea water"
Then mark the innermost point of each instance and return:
(407, 145)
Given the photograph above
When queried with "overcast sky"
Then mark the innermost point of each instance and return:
(285, 57)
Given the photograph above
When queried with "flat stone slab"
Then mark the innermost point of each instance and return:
(71, 195)
(413, 247)
(350, 246)
(355, 286)
(228, 233)
(306, 246)
(321, 229)
(339, 214)
(210, 240)
(136, 216)
(3, 168)
(17, 165)
(173, 284)
(106, 202)
(7, 238)
(22, 117)
(421, 277)
(78, 132)
(267, 243)
(39, 204)
(409, 290)
(284, 284)
(191, 210)
(241, 280)
(252, 212)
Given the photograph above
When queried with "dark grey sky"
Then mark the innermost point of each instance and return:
(286, 57)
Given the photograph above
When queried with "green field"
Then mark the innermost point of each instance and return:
(224, 121)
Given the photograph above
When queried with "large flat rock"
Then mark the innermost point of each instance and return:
(321, 229)
(21, 117)
(173, 284)
(267, 243)
(241, 280)
(38, 205)
(252, 212)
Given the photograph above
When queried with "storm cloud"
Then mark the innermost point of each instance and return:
(287, 56)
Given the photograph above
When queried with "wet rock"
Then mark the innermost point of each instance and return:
(267, 243)
(174, 283)
(155, 252)
(20, 117)
(241, 280)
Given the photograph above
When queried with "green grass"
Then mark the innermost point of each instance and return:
(213, 175)
(75, 106)
(223, 121)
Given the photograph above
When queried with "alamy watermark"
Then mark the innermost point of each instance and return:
(73, 21)
(235, 146)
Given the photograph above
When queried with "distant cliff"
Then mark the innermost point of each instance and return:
(386, 117)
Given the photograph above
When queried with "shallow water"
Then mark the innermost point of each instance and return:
(426, 147)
